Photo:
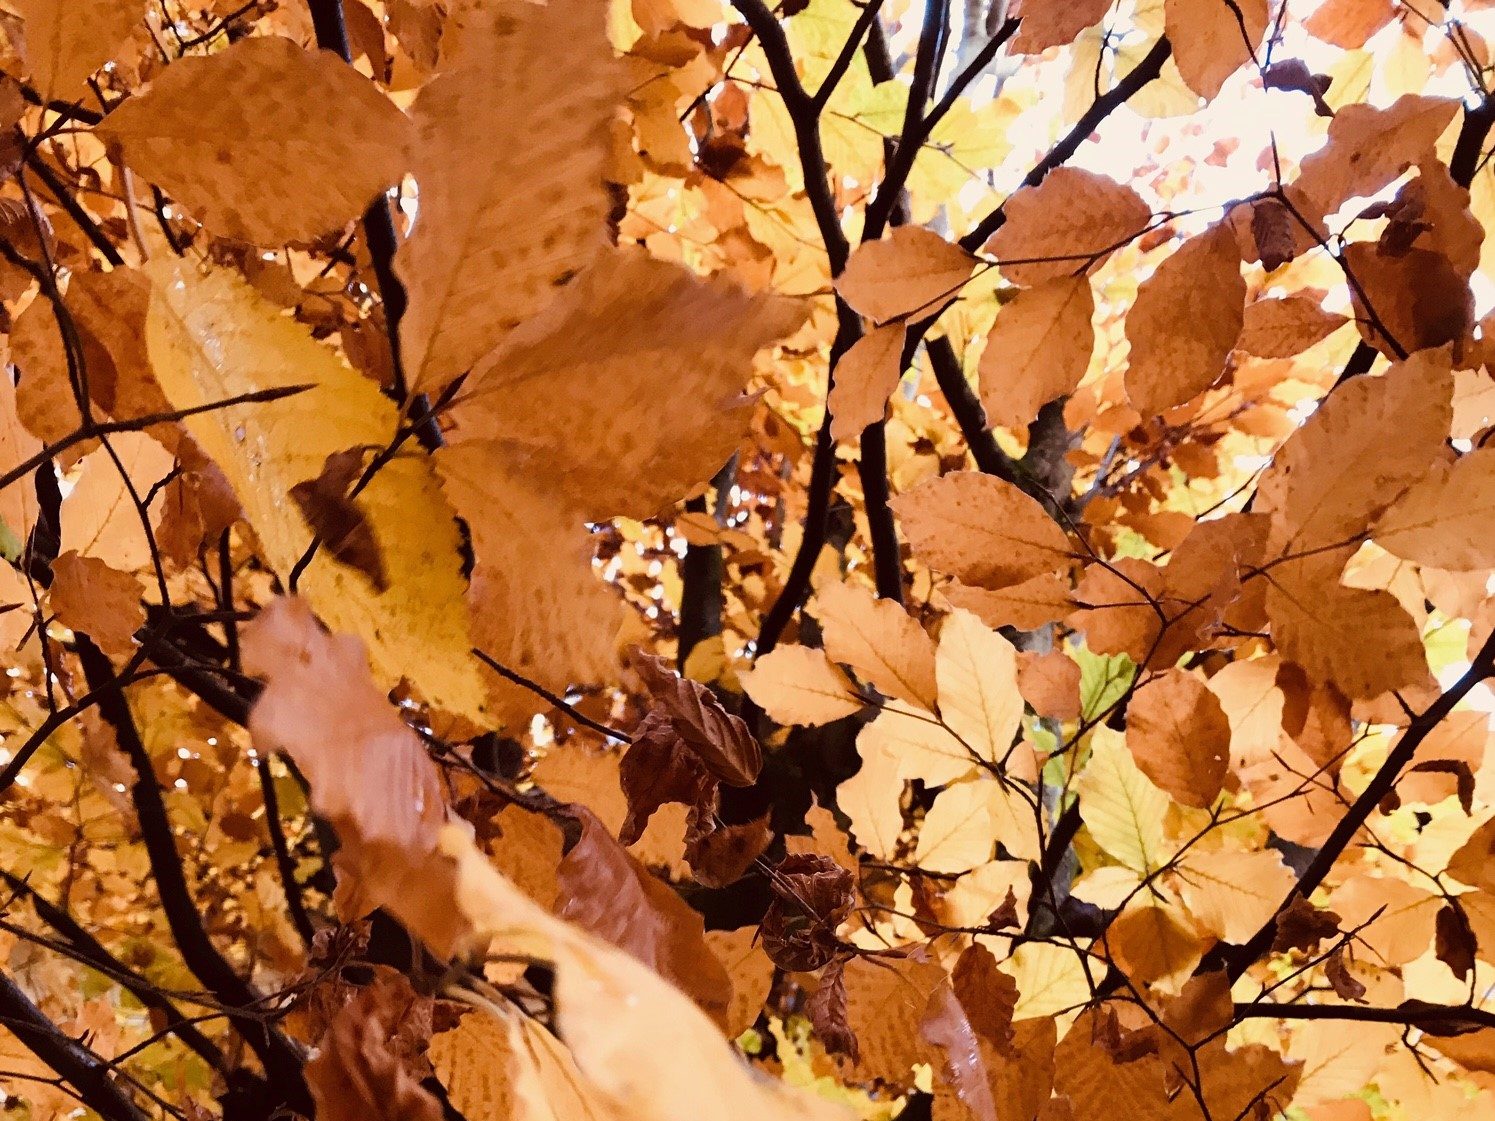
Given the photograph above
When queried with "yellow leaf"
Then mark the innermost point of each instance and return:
(1122, 809)
(976, 669)
(1051, 979)
(211, 338)
(911, 271)
(642, 1047)
(798, 685)
(264, 141)
(500, 1065)
(958, 831)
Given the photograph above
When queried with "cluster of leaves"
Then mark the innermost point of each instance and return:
(691, 559)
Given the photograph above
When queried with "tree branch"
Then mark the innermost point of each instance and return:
(1102, 107)
(74, 1063)
(281, 1060)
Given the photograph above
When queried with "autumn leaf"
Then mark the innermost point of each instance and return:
(1186, 321)
(300, 144)
(1070, 223)
(1180, 738)
(911, 271)
(510, 172)
(864, 379)
(1213, 38)
(1038, 350)
(67, 40)
(878, 639)
(982, 530)
(211, 337)
(799, 685)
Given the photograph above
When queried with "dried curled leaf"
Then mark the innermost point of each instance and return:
(722, 742)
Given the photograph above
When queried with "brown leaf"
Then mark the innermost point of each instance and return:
(1050, 683)
(812, 895)
(67, 40)
(1186, 321)
(1180, 738)
(1414, 301)
(369, 772)
(720, 855)
(1349, 23)
(1038, 350)
(264, 141)
(1053, 23)
(1302, 926)
(1367, 148)
(338, 519)
(609, 893)
(1069, 223)
(910, 272)
(364, 1065)
(826, 1010)
(1454, 944)
(1026, 606)
(720, 740)
(90, 597)
(981, 530)
(657, 768)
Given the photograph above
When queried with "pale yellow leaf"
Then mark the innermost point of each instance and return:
(800, 685)
(212, 337)
(1122, 809)
(1051, 979)
(976, 669)
(264, 141)
(958, 832)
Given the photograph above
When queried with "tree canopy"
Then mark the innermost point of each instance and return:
(711, 560)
